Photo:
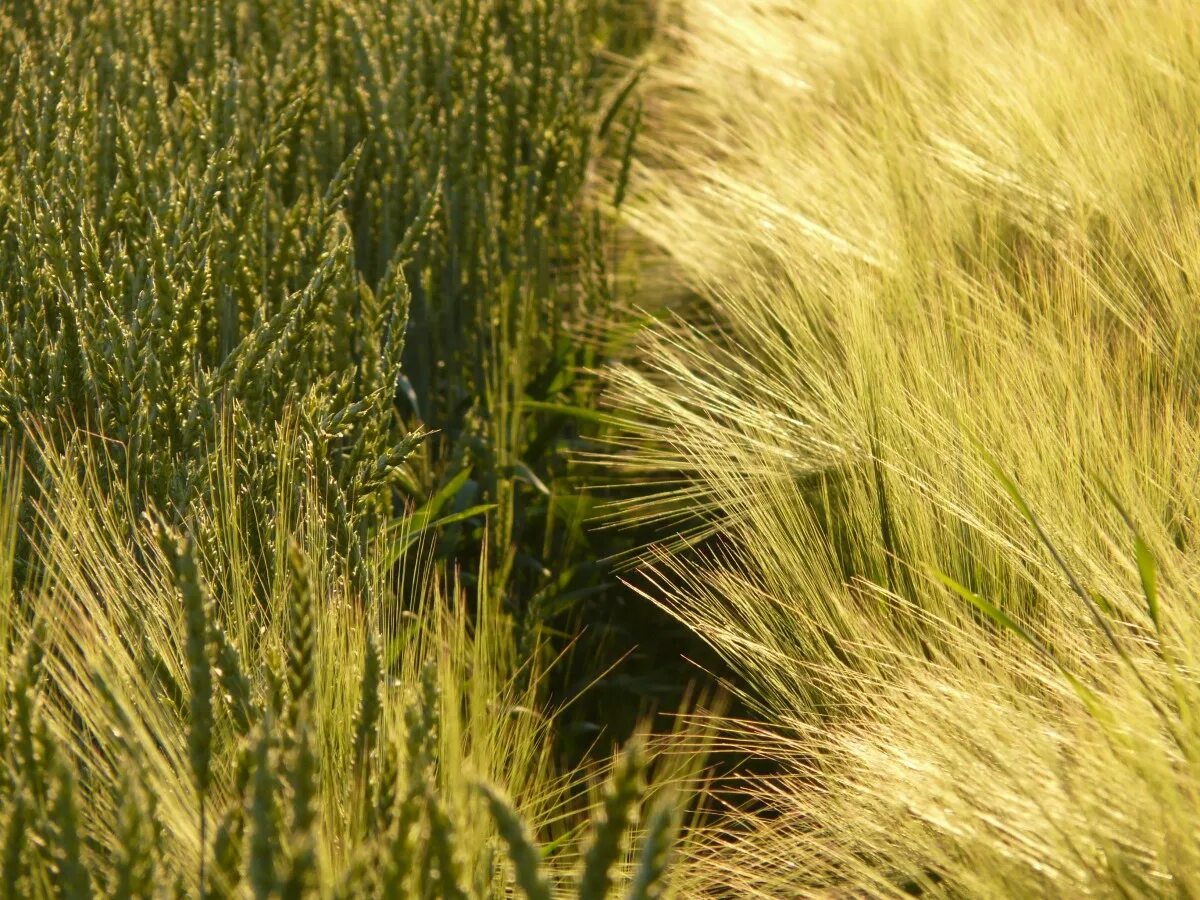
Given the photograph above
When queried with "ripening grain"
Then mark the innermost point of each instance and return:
(941, 437)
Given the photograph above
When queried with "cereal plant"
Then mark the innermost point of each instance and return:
(929, 436)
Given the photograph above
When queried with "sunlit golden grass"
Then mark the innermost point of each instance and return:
(110, 611)
(384, 744)
(949, 252)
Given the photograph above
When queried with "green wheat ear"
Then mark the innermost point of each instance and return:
(395, 818)
(12, 863)
(262, 871)
(229, 839)
(366, 726)
(62, 827)
(134, 865)
(196, 263)
(234, 683)
(181, 553)
(621, 797)
(444, 844)
(182, 556)
(302, 779)
(301, 658)
(522, 851)
(650, 879)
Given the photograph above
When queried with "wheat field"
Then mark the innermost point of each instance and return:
(599, 448)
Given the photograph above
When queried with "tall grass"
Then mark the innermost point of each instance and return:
(312, 669)
(931, 434)
(161, 730)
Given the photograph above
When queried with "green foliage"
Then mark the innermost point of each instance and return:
(350, 219)
(301, 299)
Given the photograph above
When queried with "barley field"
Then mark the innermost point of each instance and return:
(599, 448)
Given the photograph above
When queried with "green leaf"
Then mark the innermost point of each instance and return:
(618, 100)
(993, 612)
(582, 413)
(410, 534)
(1148, 571)
(1004, 620)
